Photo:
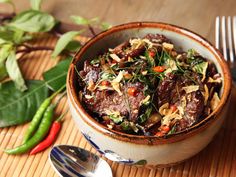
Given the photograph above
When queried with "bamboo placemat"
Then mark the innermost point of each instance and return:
(217, 159)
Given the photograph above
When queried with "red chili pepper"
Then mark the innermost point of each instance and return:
(132, 91)
(173, 108)
(56, 126)
(151, 53)
(165, 129)
(114, 62)
(105, 83)
(159, 69)
(159, 134)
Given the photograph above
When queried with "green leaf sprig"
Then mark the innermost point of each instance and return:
(36, 4)
(33, 21)
(14, 33)
(24, 97)
(90, 22)
(18, 107)
(9, 2)
(64, 41)
(14, 71)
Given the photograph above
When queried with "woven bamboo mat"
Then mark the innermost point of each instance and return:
(217, 159)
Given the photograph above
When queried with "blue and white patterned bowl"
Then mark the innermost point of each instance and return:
(140, 150)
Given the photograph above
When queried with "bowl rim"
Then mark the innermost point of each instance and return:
(141, 139)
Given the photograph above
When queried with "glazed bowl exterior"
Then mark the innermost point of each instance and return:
(151, 150)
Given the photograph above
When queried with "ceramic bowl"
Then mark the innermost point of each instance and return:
(151, 150)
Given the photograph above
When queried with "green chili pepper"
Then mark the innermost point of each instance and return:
(39, 134)
(38, 116)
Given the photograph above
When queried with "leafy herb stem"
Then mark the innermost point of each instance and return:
(29, 49)
(6, 16)
(127, 100)
(91, 30)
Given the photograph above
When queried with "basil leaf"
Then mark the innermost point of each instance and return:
(125, 125)
(73, 46)
(14, 72)
(12, 35)
(64, 41)
(105, 26)
(79, 20)
(18, 107)
(3, 71)
(33, 21)
(5, 1)
(56, 77)
(35, 4)
(201, 68)
(6, 36)
(4, 52)
(142, 118)
(9, 2)
(17, 36)
(83, 21)
(2, 41)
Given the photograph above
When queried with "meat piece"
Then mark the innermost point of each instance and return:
(133, 53)
(157, 38)
(170, 88)
(170, 91)
(166, 89)
(195, 105)
(125, 104)
(193, 111)
(119, 50)
(90, 73)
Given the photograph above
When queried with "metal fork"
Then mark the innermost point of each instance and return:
(225, 40)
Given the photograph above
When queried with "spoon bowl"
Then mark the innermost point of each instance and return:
(74, 161)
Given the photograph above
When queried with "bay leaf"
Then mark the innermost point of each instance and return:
(18, 107)
(56, 77)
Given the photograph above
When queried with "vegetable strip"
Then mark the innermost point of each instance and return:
(38, 136)
(55, 128)
(38, 116)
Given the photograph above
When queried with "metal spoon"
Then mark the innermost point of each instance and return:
(70, 161)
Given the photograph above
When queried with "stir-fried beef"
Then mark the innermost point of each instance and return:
(90, 73)
(145, 86)
(170, 90)
(103, 100)
(193, 110)
(157, 38)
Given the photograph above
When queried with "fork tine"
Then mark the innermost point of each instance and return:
(223, 32)
(217, 32)
(234, 34)
(231, 52)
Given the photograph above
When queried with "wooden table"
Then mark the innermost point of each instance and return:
(196, 15)
(218, 159)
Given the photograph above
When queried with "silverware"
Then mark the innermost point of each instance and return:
(70, 161)
(225, 40)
